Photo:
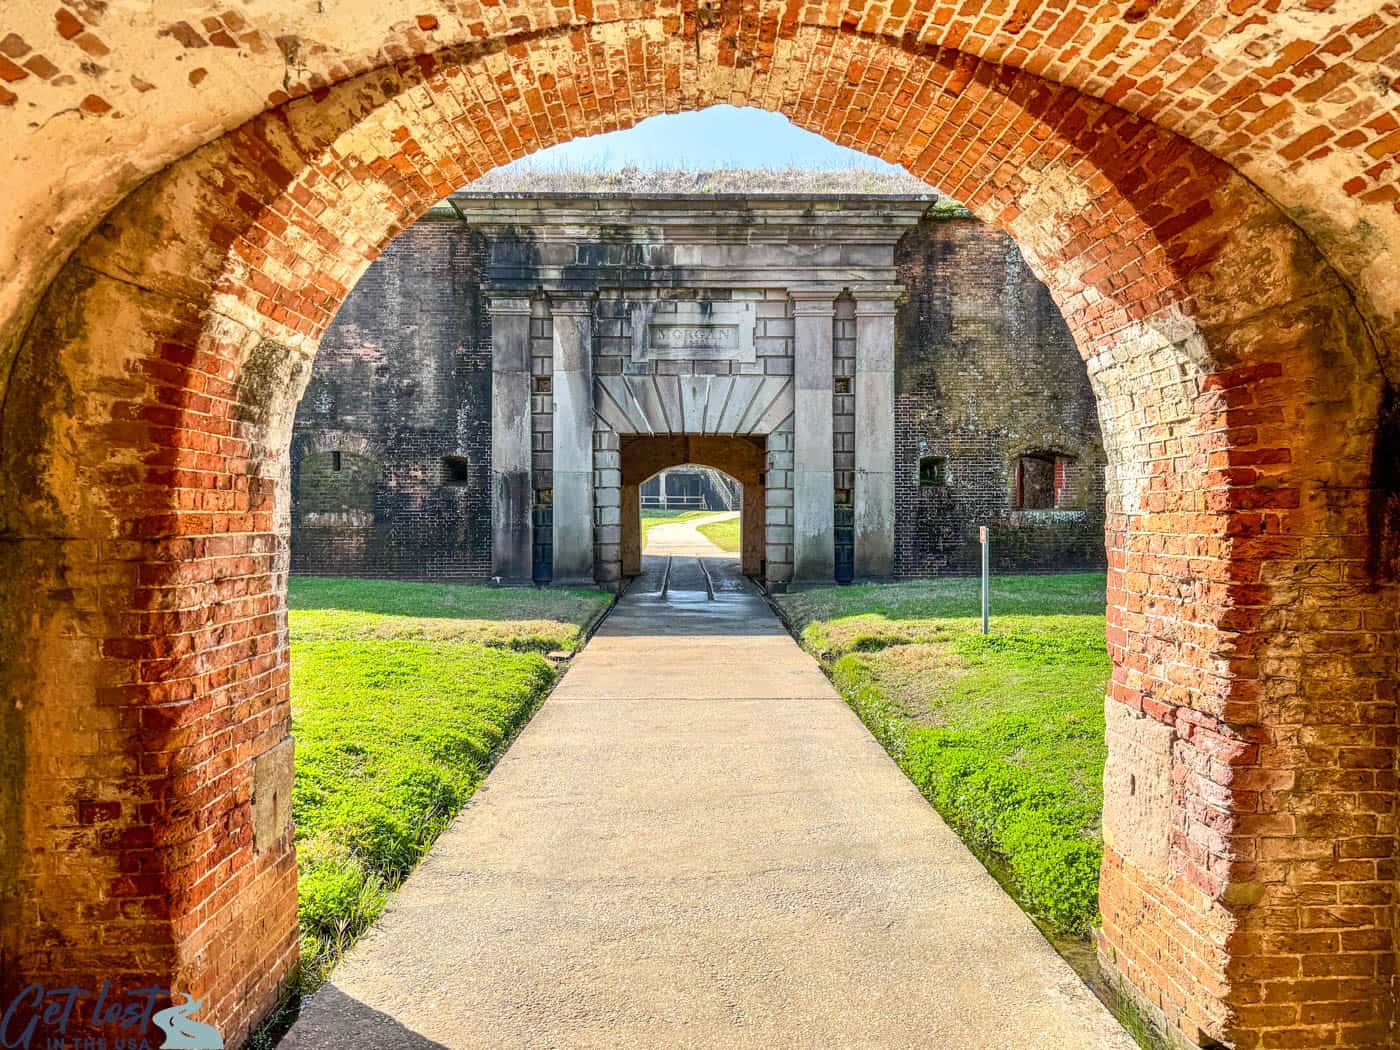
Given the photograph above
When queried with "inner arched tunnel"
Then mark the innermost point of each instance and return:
(742, 457)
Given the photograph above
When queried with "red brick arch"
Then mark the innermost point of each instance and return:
(145, 433)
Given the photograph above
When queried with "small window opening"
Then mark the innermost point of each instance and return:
(543, 384)
(335, 461)
(1039, 481)
(544, 497)
(843, 384)
(843, 498)
(933, 470)
(456, 470)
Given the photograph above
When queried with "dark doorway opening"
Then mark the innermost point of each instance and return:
(740, 457)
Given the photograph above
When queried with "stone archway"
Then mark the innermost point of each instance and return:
(741, 457)
(1239, 391)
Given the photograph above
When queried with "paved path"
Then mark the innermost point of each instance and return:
(684, 538)
(695, 843)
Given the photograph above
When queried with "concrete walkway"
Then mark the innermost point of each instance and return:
(696, 844)
(684, 538)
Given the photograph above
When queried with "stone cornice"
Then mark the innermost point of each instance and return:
(713, 218)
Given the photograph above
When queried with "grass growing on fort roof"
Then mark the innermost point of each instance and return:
(1004, 734)
(403, 695)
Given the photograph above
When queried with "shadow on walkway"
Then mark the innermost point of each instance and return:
(337, 1014)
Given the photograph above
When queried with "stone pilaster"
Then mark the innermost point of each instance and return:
(814, 529)
(874, 389)
(573, 440)
(511, 496)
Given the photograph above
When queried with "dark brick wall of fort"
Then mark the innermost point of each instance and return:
(986, 372)
(391, 448)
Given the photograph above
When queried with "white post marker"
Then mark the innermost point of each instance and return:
(986, 578)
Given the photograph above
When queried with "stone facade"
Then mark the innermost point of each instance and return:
(777, 318)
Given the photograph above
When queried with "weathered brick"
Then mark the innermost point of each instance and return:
(1169, 268)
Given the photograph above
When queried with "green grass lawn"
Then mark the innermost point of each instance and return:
(1004, 734)
(723, 534)
(403, 695)
(652, 518)
(519, 618)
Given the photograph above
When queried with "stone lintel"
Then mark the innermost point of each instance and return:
(571, 304)
(507, 303)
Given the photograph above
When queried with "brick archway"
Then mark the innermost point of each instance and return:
(1253, 632)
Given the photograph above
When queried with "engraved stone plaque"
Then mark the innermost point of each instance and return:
(1137, 788)
(693, 330)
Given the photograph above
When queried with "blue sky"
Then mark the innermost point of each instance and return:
(718, 137)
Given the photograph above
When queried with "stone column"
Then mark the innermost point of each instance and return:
(573, 440)
(874, 387)
(814, 528)
(511, 496)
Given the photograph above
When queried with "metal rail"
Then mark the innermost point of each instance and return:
(709, 583)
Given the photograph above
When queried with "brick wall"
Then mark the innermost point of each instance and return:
(402, 382)
(985, 371)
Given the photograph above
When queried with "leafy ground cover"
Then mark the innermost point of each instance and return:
(723, 534)
(1003, 734)
(403, 695)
